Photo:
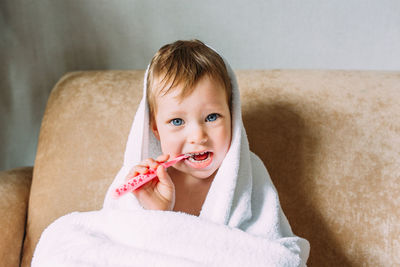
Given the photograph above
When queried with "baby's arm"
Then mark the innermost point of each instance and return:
(158, 194)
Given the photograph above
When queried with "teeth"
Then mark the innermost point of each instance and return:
(191, 156)
(196, 154)
(193, 160)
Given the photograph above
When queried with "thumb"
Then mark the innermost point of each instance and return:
(163, 176)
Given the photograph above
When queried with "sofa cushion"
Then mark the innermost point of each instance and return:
(328, 138)
(80, 148)
(14, 192)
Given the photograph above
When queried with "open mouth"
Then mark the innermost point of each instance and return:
(198, 157)
(199, 160)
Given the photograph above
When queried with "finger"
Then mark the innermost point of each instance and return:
(162, 158)
(141, 169)
(138, 169)
(151, 163)
(163, 176)
(131, 174)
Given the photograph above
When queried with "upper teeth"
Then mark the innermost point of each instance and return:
(195, 154)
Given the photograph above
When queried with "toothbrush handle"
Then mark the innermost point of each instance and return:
(139, 180)
(174, 161)
(134, 183)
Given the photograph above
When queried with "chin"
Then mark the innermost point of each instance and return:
(203, 174)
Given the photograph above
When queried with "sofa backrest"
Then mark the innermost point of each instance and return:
(330, 140)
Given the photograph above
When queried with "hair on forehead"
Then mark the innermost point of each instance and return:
(184, 63)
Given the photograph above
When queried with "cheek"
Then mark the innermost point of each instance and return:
(227, 139)
(170, 143)
(228, 132)
(224, 138)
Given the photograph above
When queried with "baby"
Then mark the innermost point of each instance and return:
(189, 96)
(191, 106)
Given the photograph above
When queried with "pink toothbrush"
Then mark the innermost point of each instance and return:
(139, 180)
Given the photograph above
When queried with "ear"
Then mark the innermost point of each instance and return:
(154, 129)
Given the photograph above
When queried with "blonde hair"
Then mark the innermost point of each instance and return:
(184, 63)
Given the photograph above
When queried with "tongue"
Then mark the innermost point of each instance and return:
(201, 157)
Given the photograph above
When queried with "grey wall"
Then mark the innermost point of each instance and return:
(41, 40)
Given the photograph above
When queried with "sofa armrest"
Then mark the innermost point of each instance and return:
(14, 191)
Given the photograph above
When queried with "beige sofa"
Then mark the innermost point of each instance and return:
(330, 140)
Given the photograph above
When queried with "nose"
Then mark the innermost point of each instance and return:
(197, 135)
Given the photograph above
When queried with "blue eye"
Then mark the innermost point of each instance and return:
(176, 122)
(212, 117)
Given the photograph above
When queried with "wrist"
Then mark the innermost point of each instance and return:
(161, 205)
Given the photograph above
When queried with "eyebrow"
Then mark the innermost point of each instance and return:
(215, 105)
(176, 113)
(181, 112)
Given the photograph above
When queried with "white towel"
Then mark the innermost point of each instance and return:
(241, 222)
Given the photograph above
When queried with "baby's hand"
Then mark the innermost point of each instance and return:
(158, 194)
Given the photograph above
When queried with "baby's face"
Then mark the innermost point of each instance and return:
(200, 123)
